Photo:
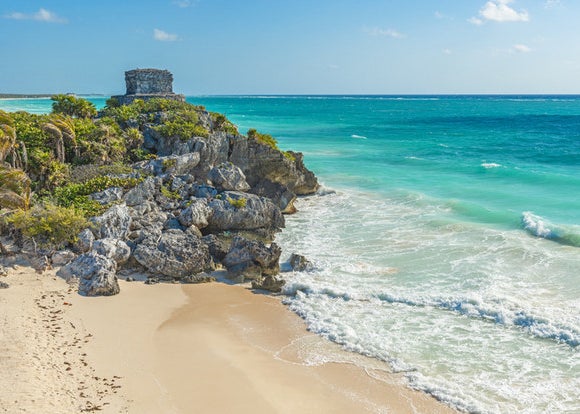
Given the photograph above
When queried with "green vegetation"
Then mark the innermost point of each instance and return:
(167, 193)
(49, 225)
(181, 129)
(76, 194)
(51, 164)
(237, 203)
(270, 141)
(72, 106)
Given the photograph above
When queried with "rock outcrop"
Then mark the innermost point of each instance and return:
(251, 259)
(175, 254)
(207, 197)
(96, 274)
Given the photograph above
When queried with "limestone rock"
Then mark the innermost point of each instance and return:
(62, 257)
(218, 247)
(175, 254)
(113, 223)
(269, 283)
(299, 263)
(96, 273)
(196, 214)
(258, 213)
(227, 177)
(171, 164)
(252, 259)
(280, 195)
(4, 285)
(200, 278)
(259, 161)
(114, 249)
(84, 241)
(108, 196)
(143, 192)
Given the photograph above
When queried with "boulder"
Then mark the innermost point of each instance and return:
(269, 283)
(299, 263)
(84, 241)
(218, 247)
(62, 257)
(251, 259)
(200, 278)
(278, 193)
(114, 249)
(174, 254)
(3, 271)
(204, 191)
(114, 222)
(258, 213)
(96, 273)
(143, 192)
(196, 214)
(227, 177)
(108, 196)
(4, 285)
(171, 164)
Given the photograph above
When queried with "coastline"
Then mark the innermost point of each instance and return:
(173, 348)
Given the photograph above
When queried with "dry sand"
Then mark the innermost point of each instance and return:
(167, 348)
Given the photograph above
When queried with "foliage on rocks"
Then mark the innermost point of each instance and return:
(49, 224)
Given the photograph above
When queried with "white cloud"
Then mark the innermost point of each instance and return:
(42, 15)
(500, 11)
(447, 51)
(183, 3)
(551, 3)
(164, 36)
(376, 31)
(521, 49)
(476, 21)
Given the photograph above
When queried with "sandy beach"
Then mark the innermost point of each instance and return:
(170, 348)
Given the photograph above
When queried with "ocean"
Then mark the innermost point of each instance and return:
(445, 238)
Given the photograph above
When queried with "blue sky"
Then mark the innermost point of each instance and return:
(293, 46)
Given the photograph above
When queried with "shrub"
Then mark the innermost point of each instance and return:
(167, 193)
(72, 106)
(76, 194)
(263, 138)
(181, 129)
(50, 225)
(238, 203)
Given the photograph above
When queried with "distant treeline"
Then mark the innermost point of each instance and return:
(38, 95)
(17, 95)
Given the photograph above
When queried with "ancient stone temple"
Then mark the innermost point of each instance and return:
(148, 83)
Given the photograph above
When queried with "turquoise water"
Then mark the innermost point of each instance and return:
(446, 239)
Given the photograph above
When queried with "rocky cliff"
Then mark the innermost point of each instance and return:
(208, 198)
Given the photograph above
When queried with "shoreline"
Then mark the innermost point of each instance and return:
(173, 348)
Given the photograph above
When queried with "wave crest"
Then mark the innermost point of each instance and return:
(540, 227)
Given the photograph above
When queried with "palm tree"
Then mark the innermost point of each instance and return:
(15, 191)
(7, 136)
(62, 128)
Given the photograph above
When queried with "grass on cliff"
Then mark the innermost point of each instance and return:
(270, 141)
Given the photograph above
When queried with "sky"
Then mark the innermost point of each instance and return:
(215, 47)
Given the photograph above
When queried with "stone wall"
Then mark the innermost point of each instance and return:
(148, 81)
(147, 84)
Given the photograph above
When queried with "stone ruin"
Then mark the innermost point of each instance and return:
(147, 84)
